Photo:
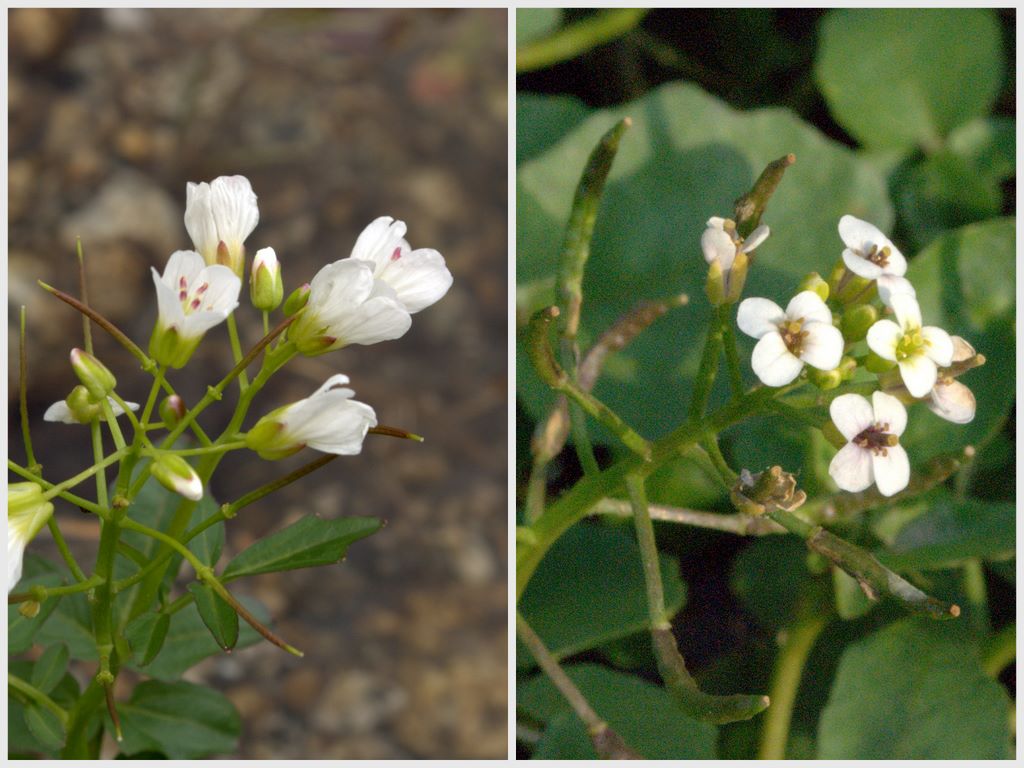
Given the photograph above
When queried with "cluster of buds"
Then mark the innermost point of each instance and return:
(912, 361)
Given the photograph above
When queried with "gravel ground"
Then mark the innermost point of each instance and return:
(336, 116)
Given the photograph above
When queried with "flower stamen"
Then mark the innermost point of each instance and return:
(876, 439)
(793, 334)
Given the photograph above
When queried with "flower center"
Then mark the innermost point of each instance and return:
(910, 345)
(192, 298)
(793, 335)
(879, 257)
(876, 439)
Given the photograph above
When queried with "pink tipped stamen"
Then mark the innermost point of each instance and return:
(183, 283)
(202, 289)
(397, 254)
(194, 304)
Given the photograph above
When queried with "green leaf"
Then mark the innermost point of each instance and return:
(50, 668)
(181, 720)
(589, 590)
(146, 636)
(534, 23)
(70, 623)
(189, 641)
(851, 602)
(951, 532)
(770, 578)
(45, 726)
(914, 690)
(307, 543)
(21, 630)
(542, 120)
(989, 145)
(219, 617)
(906, 77)
(687, 157)
(644, 715)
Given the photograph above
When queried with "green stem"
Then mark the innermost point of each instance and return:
(216, 448)
(536, 491)
(78, 501)
(40, 593)
(78, 745)
(65, 551)
(115, 428)
(236, 350)
(977, 595)
(705, 379)
(732, 360)
(789, 666)
(999, 650)
(739, 524)
(30, 691)
(607, 743)
(71, 482)
(684, 689)
(710, 443)
(567, 43)
(84, 291)
(26, 435)
(97, 453)
(581, 439)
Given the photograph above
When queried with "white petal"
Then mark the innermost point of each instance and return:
(265, 257)
(938, 345)
(757, 316)
(808, 306)
(224, 287)
(59, 411)
(823, 346)
(755, 238)
(333, 382)
(953, 401)
(378, 241)
(851, 468)
(962, 349)
(339, 287)
(199, 322)
(718, 246)
(341, 426)
(907, 311)
(883, 337)
(891, 285)
(861, 266)
(234, 208)
(859, 235)
(919, 374)
(199, 221)
(890, 411)
(892, 470)
(378, 319)
(851, 414)
(168, 304)
(716, 222)
(419, 278)
(187, 264)
(15, 556)
(773, 363)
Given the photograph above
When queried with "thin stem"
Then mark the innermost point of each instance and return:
(102, 322)
(977, 595)
(97, 453)
(30, 691)
(83, 290)
(581, 440)
(266, 322)
(536, 491)
(739, 524)
(216, 448)
(607, 743)
(999, 650)
(710, 443)
(78, 501)
(65, 552)
(115, 428)
(26, 435)
(154, 392)
(716, 709)
(567, 43)
(732, 360)
(71, 482)
(230, 510)
(236, 350)
(705, 378)
(40, 593)
(789, 666)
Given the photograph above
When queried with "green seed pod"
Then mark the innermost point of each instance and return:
(715, 286)
(296, 300)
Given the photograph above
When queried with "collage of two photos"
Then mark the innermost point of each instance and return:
(511, 383)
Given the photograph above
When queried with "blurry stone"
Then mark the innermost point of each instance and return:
(40, 34)
(301, 687)
(250, 700)
(127, 19)
(356, 702)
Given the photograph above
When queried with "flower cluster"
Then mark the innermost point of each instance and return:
(909, 361)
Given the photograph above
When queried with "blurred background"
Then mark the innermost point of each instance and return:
(905, 118)
(336, 117)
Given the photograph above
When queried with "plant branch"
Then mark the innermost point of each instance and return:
(604, 26)
(26, 434)
(31, 692)
(739, 524)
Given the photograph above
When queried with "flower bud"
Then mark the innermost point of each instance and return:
(172, 410)
(83, 408)
(856, 290)
(29, 609)
(27, 512)
(296, 300)
(168, 347)
(265, 286)
(175, 474)
(835, 277)
(737, 277)
(98, 380)
(877, 364)
(847, 367)
(856, 321)
(825, 380)
(814, 282)
(715, 286)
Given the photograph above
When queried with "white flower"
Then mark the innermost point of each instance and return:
(873, 453)
(348, 305)
(265, 286)
(950, 399)
(219, 216)
(802, 334)
(176, 475)
(418, 277)
(27, 513)
(871, 255)
(60, 411)
(918, 351)
(721, 245)
(329, 420)
(191, 298)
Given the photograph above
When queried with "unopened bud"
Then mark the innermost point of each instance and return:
(835, 277)
(296, 300)
(856, 290)
(266, 288)
(877, 364)
(172, 410)
(857, 320)
(825, 380)
(175, 474)
(814, 282)
(98, 380)
(847, 367)
(82, 407)
(715, 286)
(737, 277)
(268, 437)
(29, 609)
